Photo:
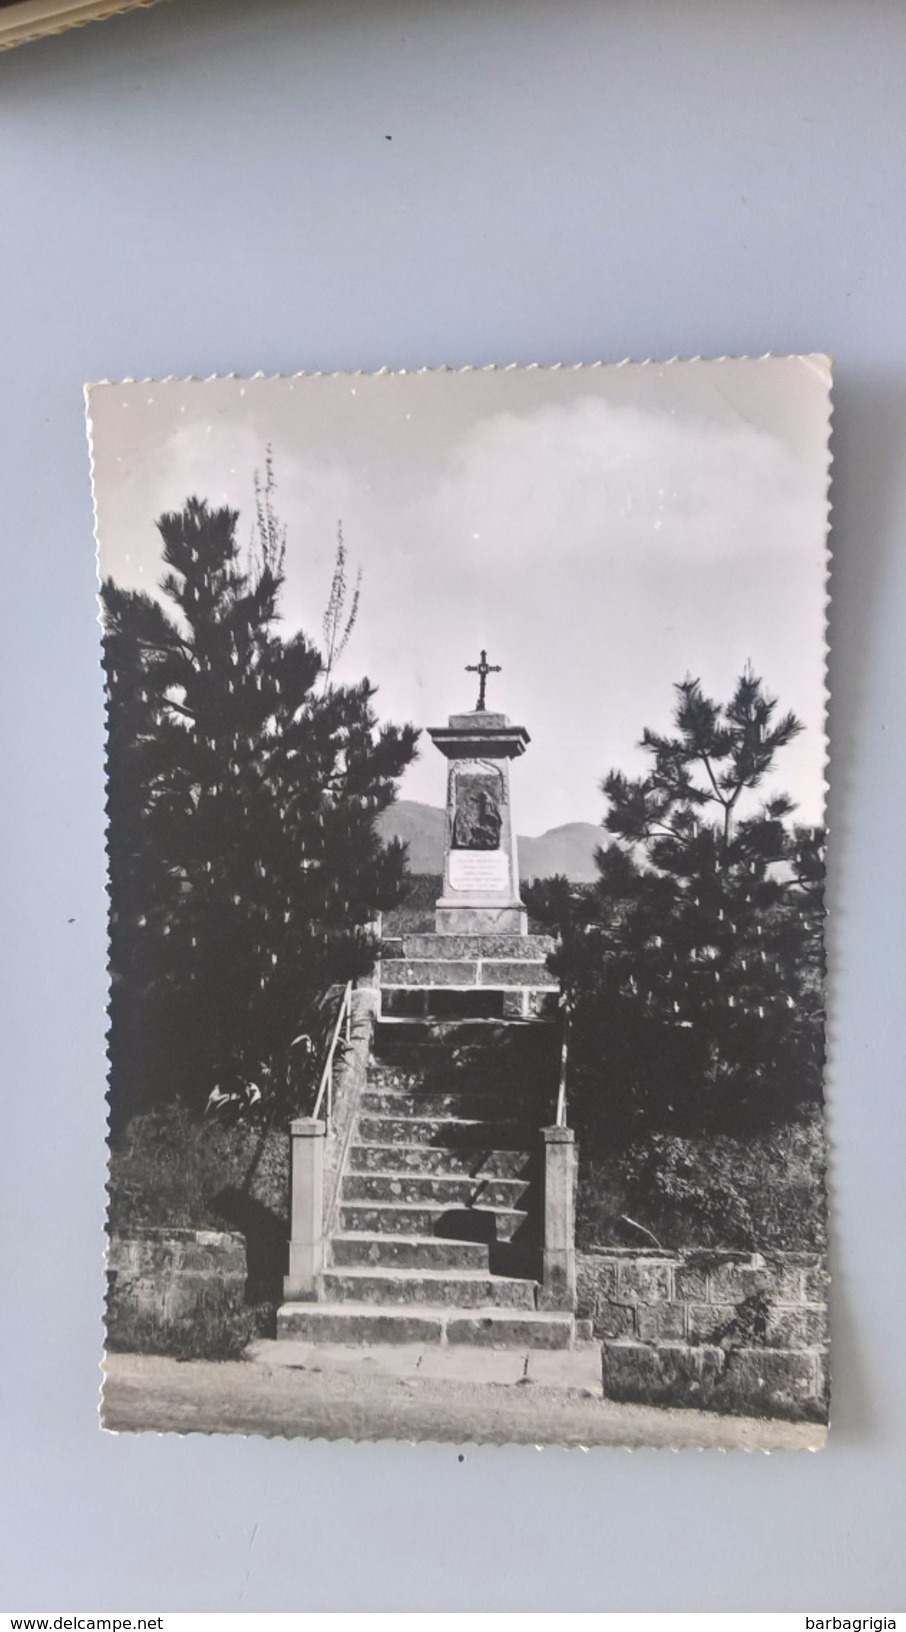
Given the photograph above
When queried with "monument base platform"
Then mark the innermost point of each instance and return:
(453, 918)
(494, 975)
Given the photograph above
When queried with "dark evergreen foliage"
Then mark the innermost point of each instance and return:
(244, 865)
(695, 962)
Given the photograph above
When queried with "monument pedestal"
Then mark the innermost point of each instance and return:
(481, 963)
(471, 976)
(480, 917)
(481, 866)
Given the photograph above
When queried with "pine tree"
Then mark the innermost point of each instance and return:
(695, 962)
(245, 869)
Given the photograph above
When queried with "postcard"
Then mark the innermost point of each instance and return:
(466, 774)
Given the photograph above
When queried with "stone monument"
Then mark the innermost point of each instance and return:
(479, 962)
(481, 866)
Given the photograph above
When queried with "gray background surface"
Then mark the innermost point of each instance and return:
(208, 186)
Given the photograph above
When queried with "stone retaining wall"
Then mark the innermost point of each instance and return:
(725, 1331)
(169, 1278)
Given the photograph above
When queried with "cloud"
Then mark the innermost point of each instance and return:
(572, 479)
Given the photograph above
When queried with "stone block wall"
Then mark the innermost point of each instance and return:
(724, 1331)
(168, 1279)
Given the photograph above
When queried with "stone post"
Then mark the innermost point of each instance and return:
(306, 1244)
(558, 1280)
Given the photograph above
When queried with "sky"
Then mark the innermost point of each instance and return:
(602, 531)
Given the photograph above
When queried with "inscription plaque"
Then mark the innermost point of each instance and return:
(479, 870)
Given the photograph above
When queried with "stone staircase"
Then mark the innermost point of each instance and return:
(435, 1233)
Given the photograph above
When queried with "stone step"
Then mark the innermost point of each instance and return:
(359, 1324)
(450, 1132)
(469, 946)
(498, 1164)
(491, 1098)
(458, 1190)
(467, 1074)
(358, 1250)
(381, 1075)
(363, 1325)
(507, 1329)
(390, 1076)
(403, 1044)
(526, 1067)
(484, 1224)
(456, 1288)
(414, 1073)
(468, 1107)
(469, 976)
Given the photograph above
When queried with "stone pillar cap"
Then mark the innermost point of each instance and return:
(483, 736)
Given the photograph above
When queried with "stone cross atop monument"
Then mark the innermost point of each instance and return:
(481, 865)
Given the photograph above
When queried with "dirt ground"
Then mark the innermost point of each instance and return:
(241, 1397)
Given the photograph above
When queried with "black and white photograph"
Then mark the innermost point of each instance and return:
(465, 770)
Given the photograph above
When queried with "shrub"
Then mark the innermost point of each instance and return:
(755, 1193)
